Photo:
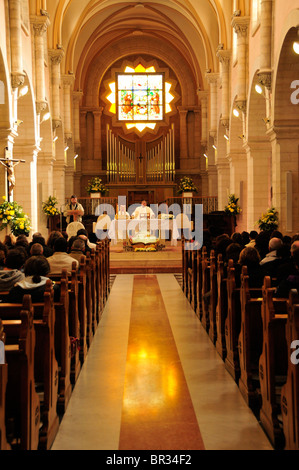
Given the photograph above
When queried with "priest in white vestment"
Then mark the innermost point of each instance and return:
(140, 211)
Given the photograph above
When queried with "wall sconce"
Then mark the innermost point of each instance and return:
(76, 156)
(226, 137)
(214, 147)
(45, 117)
(296, 43)
(55, 138)
(23, 91)
(259, 89)
(205, 155)
(66, 148)
(236, 113)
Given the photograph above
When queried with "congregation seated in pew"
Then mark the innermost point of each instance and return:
(36, 269)
(78, 249)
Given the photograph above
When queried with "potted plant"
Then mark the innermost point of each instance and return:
(96, 187)
(269, 220)
(186, 187)
(13, 216)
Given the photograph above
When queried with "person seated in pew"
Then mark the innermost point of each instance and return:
(233, 252)
(252, 237)
(250, 257)
(272, 259)
(291, 281)
(3, 254)
(11, 272)
(288, 266)
(60, 258)
(78, 249)
(38, 238)
(36, 250)
(83, 234)
(36, 270)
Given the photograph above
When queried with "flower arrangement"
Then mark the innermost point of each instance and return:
(269, 220)
(95, 185)
(232, 207)
(49, 206)
(12, 214)
(186, 185)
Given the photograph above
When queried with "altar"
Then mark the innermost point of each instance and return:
(122, 229)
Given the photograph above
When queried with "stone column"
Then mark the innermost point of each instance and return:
(240, 25)
(224, 59)
(203, 98)
(285, 143)
(264, 73)
(56, 56)
(97, 147)
(258, 180)
(68, 81)
(77, 95)
(183, 136)
(213, 81)
(17, 74)
(7, 139)
(40, 25)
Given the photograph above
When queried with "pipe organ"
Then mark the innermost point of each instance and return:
(125, 159)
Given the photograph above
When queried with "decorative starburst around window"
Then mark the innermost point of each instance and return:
(140, 97)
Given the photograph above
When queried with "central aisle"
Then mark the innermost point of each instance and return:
(153, 379)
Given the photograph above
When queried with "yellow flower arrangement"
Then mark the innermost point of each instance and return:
(12, 215)
(95, 185)
(186, 185)
(269, 220)
(232, 207)
(49, 206)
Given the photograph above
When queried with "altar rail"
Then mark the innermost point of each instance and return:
(210, 203)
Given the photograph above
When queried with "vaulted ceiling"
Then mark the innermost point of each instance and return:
(88, 28)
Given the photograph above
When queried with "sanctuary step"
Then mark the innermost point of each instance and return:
(168, 260)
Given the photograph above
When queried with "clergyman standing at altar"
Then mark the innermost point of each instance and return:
(143, 210)
(73, 211)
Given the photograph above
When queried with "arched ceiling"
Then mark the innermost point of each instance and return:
(193, 28)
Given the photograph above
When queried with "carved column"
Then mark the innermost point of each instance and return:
(56, 56)
(266, 40)
(68, 81)
(77, 95)
(224, 59)
(240, 25)
(17, 74)
(40, 25)
(213, 81)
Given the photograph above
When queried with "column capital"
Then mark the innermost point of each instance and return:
(40, 24)
(56, 55)
(223, 55)
(202, 94)
(240, 25)
(68, 80)
(212, 77)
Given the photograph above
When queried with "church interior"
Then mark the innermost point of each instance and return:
(192, 107)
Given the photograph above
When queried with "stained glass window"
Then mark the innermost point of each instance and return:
(140, 97)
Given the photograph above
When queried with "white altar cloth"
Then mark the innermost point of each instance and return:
(126, 227)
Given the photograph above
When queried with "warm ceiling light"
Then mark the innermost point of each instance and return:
(214, 147)
(296, 47)
(55, 138)
(226, 137)
(46, 117)
(66, 148)
(205, 155)
(76, 156)
(258, 89)
(236, 113)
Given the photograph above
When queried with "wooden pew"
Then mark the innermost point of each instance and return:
(22, 405)
(82, 310)
(45, 363)
(192, 278)
(74, 323)
(232, 324)
(100, 280)
(273, 363)
(213, 298)
(3, 384)
(290, 390)
(198, 292)
(205, 290)
(89, 311)
(221, 308)
(250, 341)
(93, 301)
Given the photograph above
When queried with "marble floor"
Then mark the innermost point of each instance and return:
(153, 379)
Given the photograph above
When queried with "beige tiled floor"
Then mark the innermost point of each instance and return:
(225, 421)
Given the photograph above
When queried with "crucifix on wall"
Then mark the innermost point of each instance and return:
(10, 164)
